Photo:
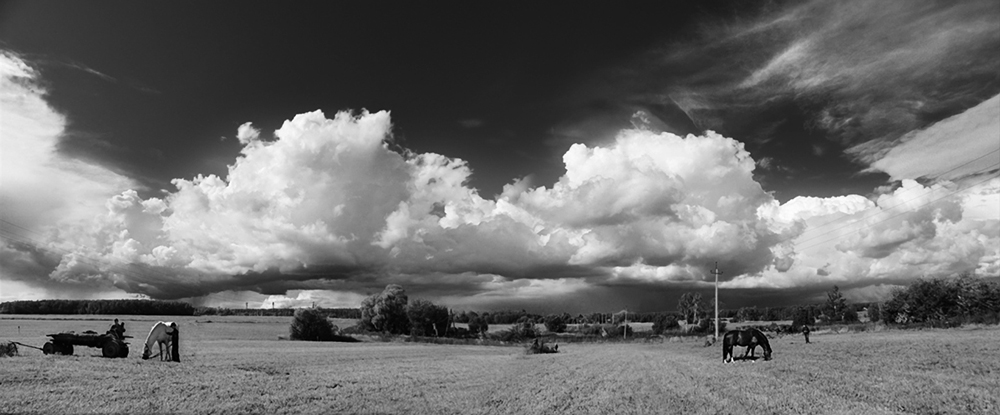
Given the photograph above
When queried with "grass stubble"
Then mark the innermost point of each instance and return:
(238, 365)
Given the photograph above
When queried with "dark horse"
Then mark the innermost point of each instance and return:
(750, 338)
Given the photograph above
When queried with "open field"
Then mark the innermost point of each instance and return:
(238, 365)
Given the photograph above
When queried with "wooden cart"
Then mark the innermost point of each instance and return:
(110, 344)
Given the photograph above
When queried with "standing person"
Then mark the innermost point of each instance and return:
(118, 329)
(805, 332)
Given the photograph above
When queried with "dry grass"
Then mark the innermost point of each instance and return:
(237, 365)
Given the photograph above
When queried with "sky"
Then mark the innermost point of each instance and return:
(561, 156)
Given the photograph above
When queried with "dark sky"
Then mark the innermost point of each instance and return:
(150, 88)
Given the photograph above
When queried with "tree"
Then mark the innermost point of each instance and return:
(851, 315)
(691, 307)
(427, 319)
(310, 324)
(748, 314)
(478, 324)
(663, 322)
(555, 323)
(386, 311)
(875, 312)
(836, 305)
(803, 317)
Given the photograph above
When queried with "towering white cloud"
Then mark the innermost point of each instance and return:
(915, 231)
(41, 191)
(329, 200)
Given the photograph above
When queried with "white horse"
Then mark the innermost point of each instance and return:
(161, 333)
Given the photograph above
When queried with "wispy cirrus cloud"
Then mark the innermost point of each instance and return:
(859, 74)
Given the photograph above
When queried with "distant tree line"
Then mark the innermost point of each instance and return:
(155, 308)
(347, 313)
(126, 307)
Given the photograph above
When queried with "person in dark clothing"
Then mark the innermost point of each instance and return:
(118, 329)
(805, 332)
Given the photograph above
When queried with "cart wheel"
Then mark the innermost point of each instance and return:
(124, 351)
(67, 349)
(48, 348)
(110, 349)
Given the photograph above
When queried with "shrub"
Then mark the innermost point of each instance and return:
(850, 315)
(803, 317)
(478, 325)
(620, 331)
(943, 301)
(664, 322)
(310, 324)
(427, 319)
(386, 311)
(875, 312)
(707, 325)
(555, 323)
(517, 332)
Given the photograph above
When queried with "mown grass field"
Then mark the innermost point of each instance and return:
(238, 365)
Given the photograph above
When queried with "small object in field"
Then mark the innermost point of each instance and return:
(8, 349)
(536, 347)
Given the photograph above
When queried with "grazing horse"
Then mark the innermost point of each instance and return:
(159, 334)
(750, 338)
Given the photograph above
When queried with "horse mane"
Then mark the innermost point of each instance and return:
(762, 338)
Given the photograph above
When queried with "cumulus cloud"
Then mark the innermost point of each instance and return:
(329, 200)
(42, 191)
(247, 133)
(914, 231)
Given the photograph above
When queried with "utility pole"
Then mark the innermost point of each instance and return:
(716, 272)
(625, 330)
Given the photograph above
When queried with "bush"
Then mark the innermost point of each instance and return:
(309, 324)
(850, 315)
(875, 312)
(555, 323)
(620, 331)
(427, 319)
(803, 317)
(518, 332)
(386, 311)
(478, 325)
(943, 301)
(707, 325)
(664, 322)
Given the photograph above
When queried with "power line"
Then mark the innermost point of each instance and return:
(968, 162)
(870, 225)
(900, 204)
(986, 170)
